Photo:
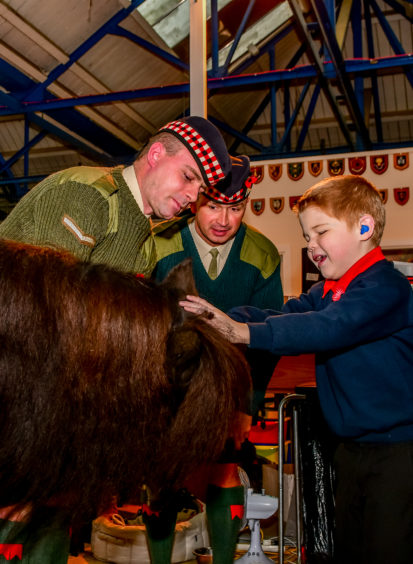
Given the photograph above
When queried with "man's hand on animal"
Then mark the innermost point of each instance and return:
(232, 330)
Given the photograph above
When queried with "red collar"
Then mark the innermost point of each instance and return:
(339, 287)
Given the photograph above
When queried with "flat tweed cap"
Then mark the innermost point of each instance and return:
(205, 143)
(237, 186)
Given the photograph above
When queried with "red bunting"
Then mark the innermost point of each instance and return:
(237, 511)
(10, 551)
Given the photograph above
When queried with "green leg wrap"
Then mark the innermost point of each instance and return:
(46, 545)
(224, 508)
(160, 531)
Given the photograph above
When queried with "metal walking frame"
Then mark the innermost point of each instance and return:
(297, 475)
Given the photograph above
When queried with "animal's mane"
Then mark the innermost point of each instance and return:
(104, 384)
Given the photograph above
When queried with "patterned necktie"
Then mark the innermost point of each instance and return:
(213, 265)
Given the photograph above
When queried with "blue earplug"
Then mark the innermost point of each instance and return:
(364, 229)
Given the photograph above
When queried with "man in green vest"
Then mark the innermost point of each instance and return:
(233, 265)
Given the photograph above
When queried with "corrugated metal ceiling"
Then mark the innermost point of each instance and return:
(62, 50)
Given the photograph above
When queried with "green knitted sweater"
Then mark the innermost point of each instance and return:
(89, 211)
(251, 274)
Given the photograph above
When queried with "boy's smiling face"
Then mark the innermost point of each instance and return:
(332, 245)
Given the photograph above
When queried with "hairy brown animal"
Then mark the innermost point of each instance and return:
(104, 384)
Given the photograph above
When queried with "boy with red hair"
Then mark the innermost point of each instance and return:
(359, 324)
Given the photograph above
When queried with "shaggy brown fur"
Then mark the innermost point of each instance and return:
(104, 385)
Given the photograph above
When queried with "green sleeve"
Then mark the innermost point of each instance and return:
(67, 214)
(261, 253)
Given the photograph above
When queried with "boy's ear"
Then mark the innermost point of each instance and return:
(366, 226)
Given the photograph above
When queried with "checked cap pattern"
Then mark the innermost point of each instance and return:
(238, 196)
(203, 153)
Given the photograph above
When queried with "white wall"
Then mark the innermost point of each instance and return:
(284, 230)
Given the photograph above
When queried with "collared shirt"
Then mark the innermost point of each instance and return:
(129, 176)
(339, 287)
(203, 248)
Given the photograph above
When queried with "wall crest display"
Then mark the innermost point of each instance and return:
(379, 163)
(357, 165)
(335, 167)
(293, 200)
(277, 204)
(384, 193)
(275, 171)
(315, 167)
(258, 172)
(401, 195)
(295, 171)
(258, 206)
(401, 161)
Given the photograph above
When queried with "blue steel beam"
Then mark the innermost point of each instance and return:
(307, 119)
(26, 141)
(154, 49)
(269, 98)
(54, 130)
(214, 38)
(106, 28)
(301, 73)
(400, 9)
(292, 120)
(69, 139)
(373, 74)
(358, 54)
(237, 38)
(23, 151)
(286, 141)
(391, 36)
(269, 155)
(265, 48)
(10, 195)
(319, 68)
(26, 179)
(16, 82)
(250, 122)
(244, 138)
(273, 99)
(330, 13)
(327, 31)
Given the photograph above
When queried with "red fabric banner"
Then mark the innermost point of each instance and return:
(237, 511)
(9, 551)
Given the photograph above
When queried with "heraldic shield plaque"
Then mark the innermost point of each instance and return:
(277, 204)
(257, 206)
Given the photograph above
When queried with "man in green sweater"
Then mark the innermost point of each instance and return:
(233, 265)
(102, 215)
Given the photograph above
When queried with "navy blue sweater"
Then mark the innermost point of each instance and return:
(363, 346)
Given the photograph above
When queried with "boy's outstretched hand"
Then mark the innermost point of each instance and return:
(233, 330)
